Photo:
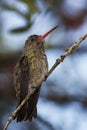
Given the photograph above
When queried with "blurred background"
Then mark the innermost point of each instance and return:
(63, 99)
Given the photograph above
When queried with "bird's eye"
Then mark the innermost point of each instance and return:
(32, 39)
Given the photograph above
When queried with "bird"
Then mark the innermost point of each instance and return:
(30, 72)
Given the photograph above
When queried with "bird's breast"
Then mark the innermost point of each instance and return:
(38, 67)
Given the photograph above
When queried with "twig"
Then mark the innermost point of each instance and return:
(68, 52)
(13, 115)
(58, 61)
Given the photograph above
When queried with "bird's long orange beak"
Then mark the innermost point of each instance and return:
(41, 38)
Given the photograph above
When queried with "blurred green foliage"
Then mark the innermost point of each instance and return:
(32, 9)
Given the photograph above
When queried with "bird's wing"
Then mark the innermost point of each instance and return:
(21, 78)
(21, 82)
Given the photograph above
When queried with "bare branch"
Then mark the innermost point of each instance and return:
(68, 52)
(13, 115)
(58, 61)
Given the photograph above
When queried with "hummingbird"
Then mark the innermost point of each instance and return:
(30, 72)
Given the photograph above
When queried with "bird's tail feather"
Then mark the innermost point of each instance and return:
(29, 109)
(21, 114)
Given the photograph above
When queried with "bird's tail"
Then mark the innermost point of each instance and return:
(29, 109)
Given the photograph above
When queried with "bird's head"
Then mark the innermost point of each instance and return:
(35, 40)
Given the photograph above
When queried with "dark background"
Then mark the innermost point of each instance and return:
(63, 100)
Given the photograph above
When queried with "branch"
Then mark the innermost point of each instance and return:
(13, 115)
(58, 61)
(68, 52)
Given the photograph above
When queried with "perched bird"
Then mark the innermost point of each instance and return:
(29, 74)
